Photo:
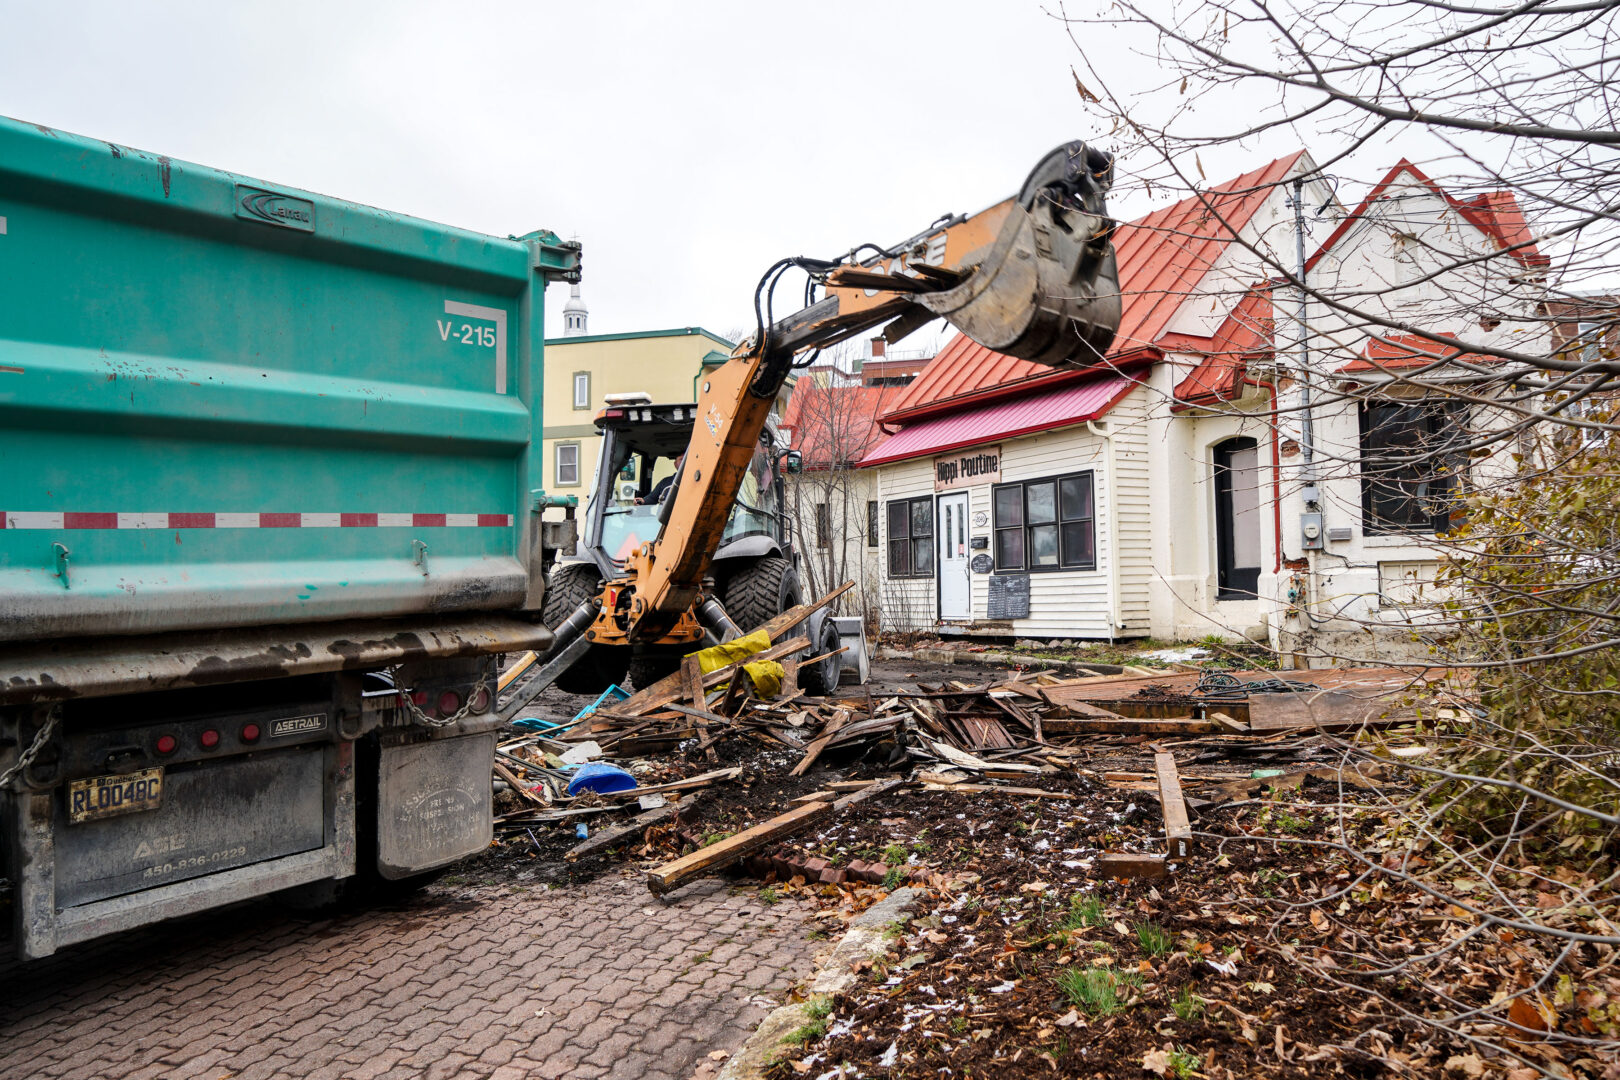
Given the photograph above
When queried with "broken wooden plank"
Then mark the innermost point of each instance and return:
(723, 853)
(700, 781)
(619, 833)
(1327, 710)
(1177, 726)
(814, 796)
(518, 785)
(1121, 865)
(1228, 724)
(882, 787)
(813, 751)
(1177, 830)
(1023, 792)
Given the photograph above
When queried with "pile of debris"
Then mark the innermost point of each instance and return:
(1014, 735)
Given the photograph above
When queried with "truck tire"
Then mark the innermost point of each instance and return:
(757, 591)
(648, 669)
(821, 678)
(569, 586)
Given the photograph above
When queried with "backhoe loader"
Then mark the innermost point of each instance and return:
(1032, 277)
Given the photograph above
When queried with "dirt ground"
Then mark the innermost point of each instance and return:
(1262, 954)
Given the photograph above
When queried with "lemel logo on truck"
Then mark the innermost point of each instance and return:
(256, 204)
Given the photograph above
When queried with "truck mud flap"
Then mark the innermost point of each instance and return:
(434, 803)
(215, 815)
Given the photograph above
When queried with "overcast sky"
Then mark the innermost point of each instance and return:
(687, 146)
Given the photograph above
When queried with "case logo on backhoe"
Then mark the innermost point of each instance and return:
(256, 204)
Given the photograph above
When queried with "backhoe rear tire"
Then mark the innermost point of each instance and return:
(759, 591)
(570, 585)
(648, 669)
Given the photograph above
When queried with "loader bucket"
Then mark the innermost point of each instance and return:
(1047, 289)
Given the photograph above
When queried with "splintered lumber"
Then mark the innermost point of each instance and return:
(1115, 865)
(815, 796)
(1177, 726)
(719, 855)
(882, 787)
(517, 785)
(1177, 831)
(693, 673)
(1228, 724)
(672, 687)
(1024, 792)
(619, 833)
(701, 781)
(523, 664)
(1326, 710)
(813, 751)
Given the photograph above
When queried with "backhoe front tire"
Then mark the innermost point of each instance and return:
(568, 586)
(759, 591)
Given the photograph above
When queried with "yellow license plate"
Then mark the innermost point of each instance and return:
(109, 796)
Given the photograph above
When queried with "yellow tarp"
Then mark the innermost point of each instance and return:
(766, 675)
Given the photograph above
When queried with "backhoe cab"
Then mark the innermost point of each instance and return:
(754, 571)
(1033, 277)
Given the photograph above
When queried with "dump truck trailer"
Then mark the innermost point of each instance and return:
(269, 511)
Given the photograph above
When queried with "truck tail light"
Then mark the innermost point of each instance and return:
(449, 702)
(166, 744)
(480, 699)
(209, 738)
(250, 733)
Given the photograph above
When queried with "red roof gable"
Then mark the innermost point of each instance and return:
(1495, 213)
(1246, 332)
(1162, 258)
(836, 425)
(1396, 352)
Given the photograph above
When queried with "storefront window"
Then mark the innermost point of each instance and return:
(911, 537)
(1045, 524)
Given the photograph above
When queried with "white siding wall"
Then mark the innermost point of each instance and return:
(1065, 603)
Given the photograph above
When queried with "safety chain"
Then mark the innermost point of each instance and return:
(41, 737)
(415, 711)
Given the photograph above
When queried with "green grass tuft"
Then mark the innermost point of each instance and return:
(1188, 1005)
(1099, 991)
(1155, 940)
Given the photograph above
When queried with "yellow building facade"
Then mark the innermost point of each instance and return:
(582, 370)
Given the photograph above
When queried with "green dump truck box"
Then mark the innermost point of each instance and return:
(225, 402)
(269, 471)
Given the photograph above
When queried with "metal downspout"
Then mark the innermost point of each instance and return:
(1114, 622)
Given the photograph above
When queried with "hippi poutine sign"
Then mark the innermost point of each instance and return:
(981, 465)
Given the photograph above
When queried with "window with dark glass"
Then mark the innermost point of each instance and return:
(1412, 465)
(871, 524)
(911, 537)
(823, 525)
(1045, 524)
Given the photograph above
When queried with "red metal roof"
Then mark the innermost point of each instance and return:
(1495, 213)
(1004, 419)
(836, 425)
(1162, 257)
(1399, 352)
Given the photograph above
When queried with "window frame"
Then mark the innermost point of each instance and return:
(1024, 527)
(1438, 414)
(557, 464)
(910, 538)
(872, 518)
(823, 525)
(574, 390)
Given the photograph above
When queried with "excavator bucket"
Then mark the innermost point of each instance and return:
(1047, 289)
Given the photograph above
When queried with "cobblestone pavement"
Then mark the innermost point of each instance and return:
(490, 982)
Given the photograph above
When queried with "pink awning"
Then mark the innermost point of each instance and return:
(1003, 420)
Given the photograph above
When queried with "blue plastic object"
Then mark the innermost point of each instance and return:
(602, 778)
(614, 692)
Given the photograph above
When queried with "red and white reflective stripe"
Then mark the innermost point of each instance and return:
(97, 519)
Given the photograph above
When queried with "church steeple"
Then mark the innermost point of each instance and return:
(574, 313)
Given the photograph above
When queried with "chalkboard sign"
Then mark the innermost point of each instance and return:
(982, 563)
(1009, 596)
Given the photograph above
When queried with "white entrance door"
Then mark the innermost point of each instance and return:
(954, 596)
